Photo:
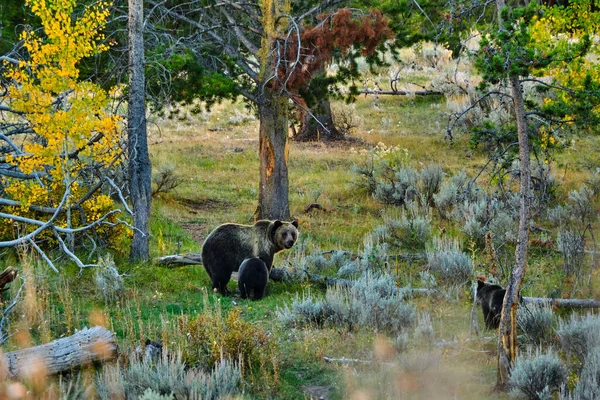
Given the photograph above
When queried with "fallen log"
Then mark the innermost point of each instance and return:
(401, 92)
(85, 347)
(279, 274)
(180, 260)
(567, 303)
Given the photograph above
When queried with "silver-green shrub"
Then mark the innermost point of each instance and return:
(537, 376)
(448, 262)
(536, 323)
(400, 189)
(579, 334)
(108, 280)
(430, 181)
(372, 301)
(588, 384)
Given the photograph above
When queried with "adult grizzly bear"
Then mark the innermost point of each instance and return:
(252, 278)
(230, 244)
(491, 297)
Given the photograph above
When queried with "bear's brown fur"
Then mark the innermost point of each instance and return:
(228, 245)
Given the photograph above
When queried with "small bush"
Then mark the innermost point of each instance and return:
(165, 180)
(411, 230)
(424, 329)
(535, 323)
(571, 246)
(588, 384)
(450, 194)
(450, 264)
(430, 182)
(579, 334)
(150, 394)
(538, 376)
(581, 204)
(399, 189)
(108, 280)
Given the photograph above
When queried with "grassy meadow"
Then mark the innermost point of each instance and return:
(215, 157)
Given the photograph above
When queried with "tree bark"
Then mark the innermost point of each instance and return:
(83, 348)
(316, 124)
(273, 201)
(507, 337)
(139, 161)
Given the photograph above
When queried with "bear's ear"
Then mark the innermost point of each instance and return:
(480, 284)
(295, 223)
(273, 229)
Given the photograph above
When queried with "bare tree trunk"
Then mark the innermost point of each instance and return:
(83, 348)
(273, 199)
(507, 337)
(139, 160)
(316, 123)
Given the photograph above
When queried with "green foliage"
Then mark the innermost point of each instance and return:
(448, 262)
(536, 324)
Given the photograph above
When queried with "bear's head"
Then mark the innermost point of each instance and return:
(284, 234)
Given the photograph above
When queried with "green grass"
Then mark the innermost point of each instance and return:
(218, 163)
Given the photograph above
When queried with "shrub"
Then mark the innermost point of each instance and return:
(304, 311)
(588, 385)
(399, 189)
(150, 394)
(430, 182)
(168, 378)
(535, 323)
(372, 301)
(538, 376)
(108, 280)
(581, 204)
(424, 329)
(449, 263)
(579, 334)
(571, 246)
(450, 194)
(411, 230)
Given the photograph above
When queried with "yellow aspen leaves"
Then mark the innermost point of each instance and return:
(75, 135)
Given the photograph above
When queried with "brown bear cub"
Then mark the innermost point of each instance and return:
(230, 244)
(252, 278)
(491, 298)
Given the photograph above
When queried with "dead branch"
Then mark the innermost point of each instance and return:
(83, 348)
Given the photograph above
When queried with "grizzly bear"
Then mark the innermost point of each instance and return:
(228, 245)
(253, 277)
(491, 297)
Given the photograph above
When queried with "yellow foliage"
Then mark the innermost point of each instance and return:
(74, 130)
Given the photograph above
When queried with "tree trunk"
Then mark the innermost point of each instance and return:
(316, 123)
(273, 200)
(83, 348)
(139, 160)
(507, 337)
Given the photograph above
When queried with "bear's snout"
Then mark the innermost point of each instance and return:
(289, 243)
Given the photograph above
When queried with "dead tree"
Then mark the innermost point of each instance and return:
(85, 347)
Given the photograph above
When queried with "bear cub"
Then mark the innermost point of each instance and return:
(491, 297)
(253, 277)
(228, 245)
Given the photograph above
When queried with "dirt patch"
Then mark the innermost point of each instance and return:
(195, 206)
(316, 392)
(196, 231)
